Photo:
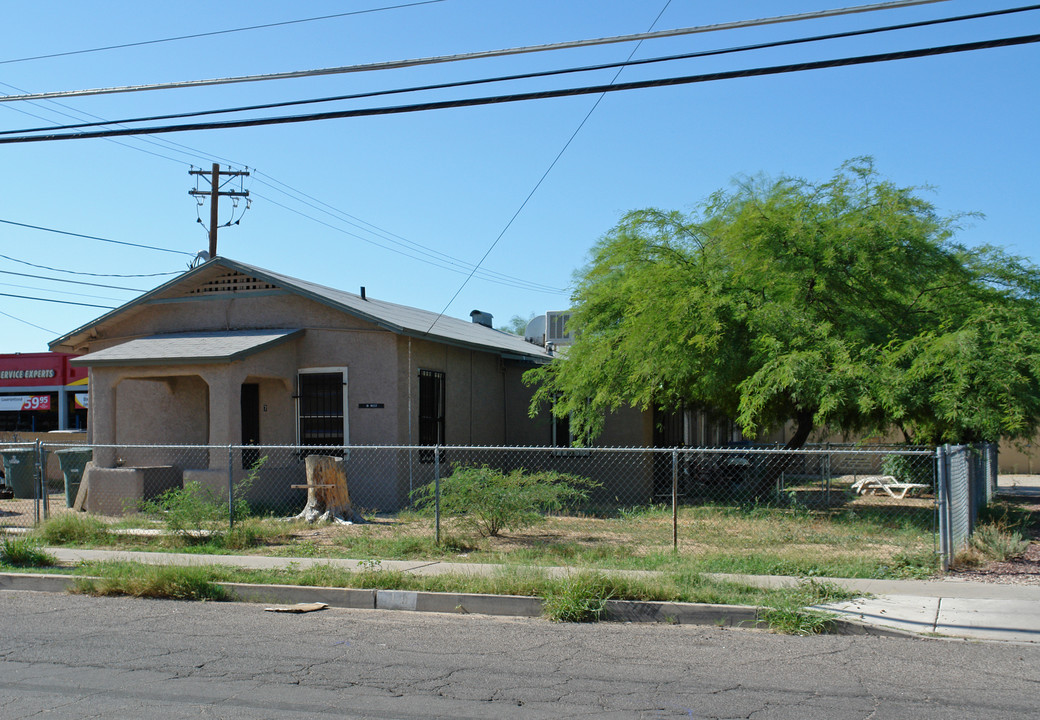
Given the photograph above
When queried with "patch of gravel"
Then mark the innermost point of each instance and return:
(1024, 570)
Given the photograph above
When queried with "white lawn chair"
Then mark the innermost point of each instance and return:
(887, 484)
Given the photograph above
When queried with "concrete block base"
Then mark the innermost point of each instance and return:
(116, 491)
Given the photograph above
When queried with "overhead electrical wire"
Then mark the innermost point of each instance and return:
(60, 302)
(38, 327)
(409, 245)
(217, 32)
(542, 94)
(71, 282)
(517, 283)
(488, 275)
(538, 74)
(482, 54)
(59, 292)
(101, 239)
(541, 179)
(79, 115)
(87, 274)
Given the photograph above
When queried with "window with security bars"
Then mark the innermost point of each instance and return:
(431, 411)
(321, 408)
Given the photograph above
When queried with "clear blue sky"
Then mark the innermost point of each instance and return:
(451, 180)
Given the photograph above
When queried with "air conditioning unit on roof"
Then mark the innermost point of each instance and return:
(556, 330)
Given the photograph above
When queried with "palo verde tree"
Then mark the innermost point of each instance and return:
(844, 304)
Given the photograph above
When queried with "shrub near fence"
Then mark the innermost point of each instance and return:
(748, 509)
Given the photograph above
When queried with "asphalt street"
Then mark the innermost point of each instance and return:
(79, 657)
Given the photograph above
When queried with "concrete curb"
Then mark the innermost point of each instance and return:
(624, 611)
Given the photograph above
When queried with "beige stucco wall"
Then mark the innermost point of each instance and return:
(476, 411)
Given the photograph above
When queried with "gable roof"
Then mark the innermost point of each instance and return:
(399, 319)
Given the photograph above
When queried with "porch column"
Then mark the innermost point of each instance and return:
(225, 414)
(101, 408)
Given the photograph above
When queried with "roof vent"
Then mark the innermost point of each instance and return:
(481, 318)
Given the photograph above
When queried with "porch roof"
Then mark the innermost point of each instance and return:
(187, 348)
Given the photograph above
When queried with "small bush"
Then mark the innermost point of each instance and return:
(490, 501)
(74, 529)
(24, 552)
(196, 514)
(996, 542)
(909, 468)
(191, 513)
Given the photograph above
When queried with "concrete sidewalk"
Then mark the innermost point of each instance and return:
(948, 607)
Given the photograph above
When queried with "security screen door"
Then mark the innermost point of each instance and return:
(322, 420)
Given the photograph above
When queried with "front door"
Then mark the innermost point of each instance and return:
(250, 422)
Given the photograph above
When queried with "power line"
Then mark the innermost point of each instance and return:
(543, 94)
(88, 274)
(38, 327)
(396, 64)
(59, 302)
(71, 282)
(59, 292)
(101, 239)
(531, 75)
(216, 32)
(436, 262)
(545, 174)
(489, 275)
(82, 114)
(410, 245)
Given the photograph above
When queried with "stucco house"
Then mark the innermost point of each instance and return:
(232, 354)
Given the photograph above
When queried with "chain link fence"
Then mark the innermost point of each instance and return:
(967, 477)
(874, 504)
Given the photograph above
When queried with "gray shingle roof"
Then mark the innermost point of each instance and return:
(400, 319)
(184, 348)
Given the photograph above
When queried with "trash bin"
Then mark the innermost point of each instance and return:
(20, 466)
(72, 462)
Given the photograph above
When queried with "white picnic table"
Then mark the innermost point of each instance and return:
(887, 484)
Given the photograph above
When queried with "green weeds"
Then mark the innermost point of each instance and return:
(24, 552)
(151, 581)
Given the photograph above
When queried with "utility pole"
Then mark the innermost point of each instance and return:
(215, 193)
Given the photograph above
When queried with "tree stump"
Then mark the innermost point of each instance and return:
(328, 499)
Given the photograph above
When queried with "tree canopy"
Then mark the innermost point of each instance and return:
(845, 304)
(517, 324)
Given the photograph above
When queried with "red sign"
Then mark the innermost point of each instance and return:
(37, 370)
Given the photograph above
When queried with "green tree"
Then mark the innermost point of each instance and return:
(517, 324)
(843, 304)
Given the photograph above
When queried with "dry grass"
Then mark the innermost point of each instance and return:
(863, 536)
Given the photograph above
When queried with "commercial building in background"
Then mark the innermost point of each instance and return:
(41, 392)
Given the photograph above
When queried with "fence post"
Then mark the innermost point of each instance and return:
(38, 472)
(942, 495)
(827, 477)
(437, 493)
(675, 499)
(231, 487)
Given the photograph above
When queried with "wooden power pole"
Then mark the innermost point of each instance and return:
(214, 194)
